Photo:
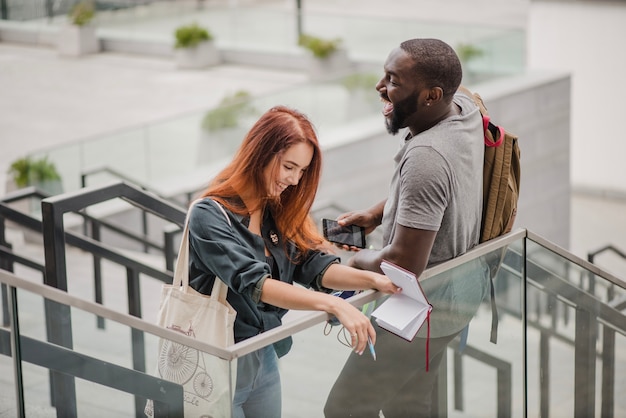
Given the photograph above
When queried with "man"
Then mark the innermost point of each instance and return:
(432, 214)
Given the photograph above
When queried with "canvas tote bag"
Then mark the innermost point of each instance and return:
(208, 381)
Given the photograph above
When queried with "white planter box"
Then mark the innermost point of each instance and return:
(203, 55)
(335, 64)
(74, 41)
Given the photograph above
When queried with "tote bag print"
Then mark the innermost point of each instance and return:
(206, 379)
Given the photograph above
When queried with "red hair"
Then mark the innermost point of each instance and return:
(275, 131)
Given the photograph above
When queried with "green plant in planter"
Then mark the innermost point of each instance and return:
(227, 114)
(189, 36)
(468, 52)
(320, 48)
(28, 171)
(82, 13)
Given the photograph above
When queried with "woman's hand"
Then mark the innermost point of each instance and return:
(384, 285)
(356, 324)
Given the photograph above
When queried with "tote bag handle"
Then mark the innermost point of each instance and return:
(181, 271)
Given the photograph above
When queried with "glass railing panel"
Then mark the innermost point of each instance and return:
(166, 154)
(179, 147)
(111, 364)
(572, 311)
(68, 162)
(256, 29)
(314, 362)
(171, 147)
(7, 380)
(274, 29)
(486, 378)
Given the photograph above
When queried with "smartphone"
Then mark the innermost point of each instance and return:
(351, 235)
(344, 294)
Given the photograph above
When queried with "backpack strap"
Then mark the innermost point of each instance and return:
(493, 137)
(497, 133)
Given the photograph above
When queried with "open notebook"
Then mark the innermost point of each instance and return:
(403, 313)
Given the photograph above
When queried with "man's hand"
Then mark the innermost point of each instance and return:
(362, 218)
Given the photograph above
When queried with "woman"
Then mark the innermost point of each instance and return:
(268, 242)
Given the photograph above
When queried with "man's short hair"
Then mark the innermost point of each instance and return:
(436, 63)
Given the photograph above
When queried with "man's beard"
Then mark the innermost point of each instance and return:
(393, 123)
(401, 111)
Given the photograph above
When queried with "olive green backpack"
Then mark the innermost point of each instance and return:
(501, 187)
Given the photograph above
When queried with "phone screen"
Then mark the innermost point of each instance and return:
(351, 235)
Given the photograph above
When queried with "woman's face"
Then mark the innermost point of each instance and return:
(291, 166)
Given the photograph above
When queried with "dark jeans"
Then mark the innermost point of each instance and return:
(396, 383)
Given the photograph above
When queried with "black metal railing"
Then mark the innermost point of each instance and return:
(166, 396)
(94, 228)
(54, 244)
(53, 211)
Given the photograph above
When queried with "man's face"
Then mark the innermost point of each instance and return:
(399, 91)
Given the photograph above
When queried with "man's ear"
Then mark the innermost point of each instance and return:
(435, 94)
(432, 96)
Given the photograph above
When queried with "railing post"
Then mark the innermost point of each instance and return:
(4, 10)
(608, 366)
(608, 373)
(544, 374)
(584, 365)
(144, 224)
(458, 380)
(58, 317)
(169, 250)
(17, 352)
(97, 271)
(138, 342)
(439, 404)
(5, 264)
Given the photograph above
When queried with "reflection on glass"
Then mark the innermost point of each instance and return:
(103, 362)
(489, 377)
(574, 330)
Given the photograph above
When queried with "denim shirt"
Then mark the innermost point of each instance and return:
(237, 256)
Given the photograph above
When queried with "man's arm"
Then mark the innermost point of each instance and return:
(409, 249)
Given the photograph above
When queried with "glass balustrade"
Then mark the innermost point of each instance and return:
(103, 374)
(559, 351)
(576, 328)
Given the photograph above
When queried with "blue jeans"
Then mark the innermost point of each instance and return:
(258, 391)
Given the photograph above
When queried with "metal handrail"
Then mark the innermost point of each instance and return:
(128, 179)
(592, 254)
(130, 321)
(120, 176)
(34, 192)
(86, 244)
(24, 193)
(576, 260)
